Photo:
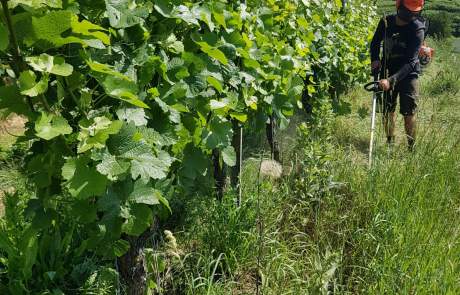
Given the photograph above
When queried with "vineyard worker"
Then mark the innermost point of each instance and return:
(402, 35)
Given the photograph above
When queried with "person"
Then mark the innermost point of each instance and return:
(402, 35)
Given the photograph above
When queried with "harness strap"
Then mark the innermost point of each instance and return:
(385, 49)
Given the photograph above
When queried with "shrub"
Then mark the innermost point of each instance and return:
(440, 24)
(447, 82)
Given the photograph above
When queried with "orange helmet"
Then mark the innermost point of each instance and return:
(412, 5)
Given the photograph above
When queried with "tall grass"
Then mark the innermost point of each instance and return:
(407, 240)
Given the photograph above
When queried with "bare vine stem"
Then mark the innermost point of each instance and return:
(17, 57)
(19, 64)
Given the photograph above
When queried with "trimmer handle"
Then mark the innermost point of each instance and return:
(372, 86)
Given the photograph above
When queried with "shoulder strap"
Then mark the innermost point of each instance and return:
(385, 21)
(385, 53)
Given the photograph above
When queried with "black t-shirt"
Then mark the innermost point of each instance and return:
(402, 44)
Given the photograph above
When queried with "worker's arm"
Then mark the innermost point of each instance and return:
(413, 49)
(377, 41)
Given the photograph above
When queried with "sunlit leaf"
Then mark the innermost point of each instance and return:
(50, 64)
(30, 87)
(123, 14)
(49, 126)
(229, 156)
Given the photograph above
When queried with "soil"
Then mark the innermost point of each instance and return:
(10, 127)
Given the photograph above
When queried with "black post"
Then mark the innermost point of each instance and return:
(219, 174)
(271, 134)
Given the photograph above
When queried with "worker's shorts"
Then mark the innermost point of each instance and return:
(408, 91)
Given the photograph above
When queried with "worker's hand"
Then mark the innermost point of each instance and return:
(384, 84)
(375, 67)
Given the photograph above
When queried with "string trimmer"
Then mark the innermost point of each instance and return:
(373, 87)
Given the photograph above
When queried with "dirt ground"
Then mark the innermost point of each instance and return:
(10, 128)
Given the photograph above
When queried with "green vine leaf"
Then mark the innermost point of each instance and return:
(213, 52)
(50, 64)
(145, 194)
(223, 106)
(239, 116)
(220, 19)
(4, 40)
(153, 137)
(83, 181)
(229, 156)
(138, 218)
(183, 12)
(126, 13)
(105, 69)
(146, 162)
(173, 45)
(195, 163)
(205, 15)
(145, 165)
(296, 88)
(88, 29)
(44, 168)
(94, 133)
(49, 126)
(135, 115)
(29, 86)
(50, 27)
(11, 101)
(84, 211)
(111, 166)
(58, 28)
(218, 134)
(163, 8)
(36, 3)
(118, 86)
(113, 201)
(120, 247)
(209, 49)
(215, 83)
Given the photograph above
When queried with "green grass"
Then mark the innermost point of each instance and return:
(409, 239)
(408, 243)
(457, 45)
(6, 140)
(11, 178)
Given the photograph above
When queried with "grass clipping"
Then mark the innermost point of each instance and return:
(271, 169)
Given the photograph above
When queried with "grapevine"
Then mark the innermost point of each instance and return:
(129, 103)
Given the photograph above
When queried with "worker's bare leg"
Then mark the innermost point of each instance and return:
(411, 128)
(389, 122)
